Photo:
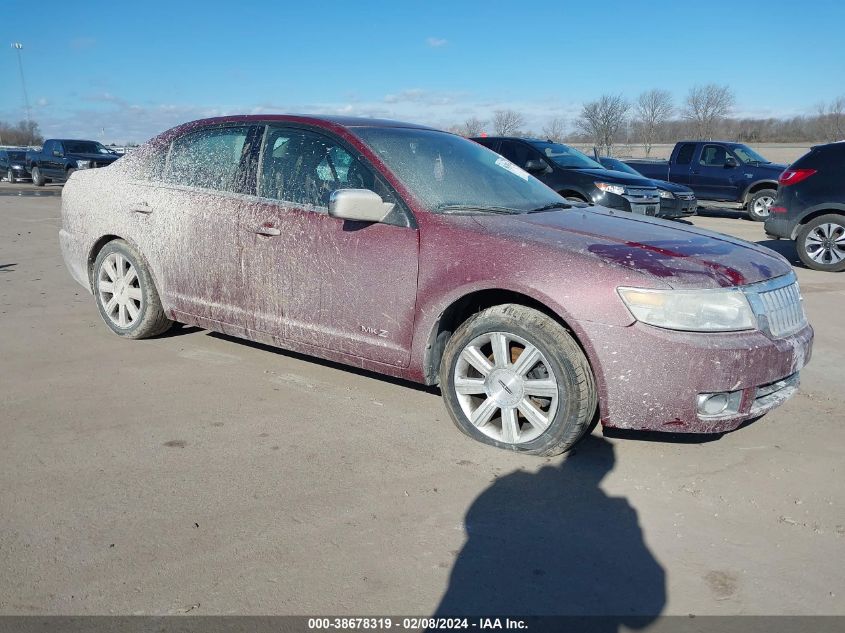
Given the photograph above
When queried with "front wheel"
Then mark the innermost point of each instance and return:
(821, 243)
(514, 378)
(10, 176)
(37, 178)
(759, 204)
(125, 293)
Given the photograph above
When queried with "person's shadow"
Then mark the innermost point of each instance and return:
(552, 543)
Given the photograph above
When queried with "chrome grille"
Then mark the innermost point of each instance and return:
(632, 192)
(778, 306)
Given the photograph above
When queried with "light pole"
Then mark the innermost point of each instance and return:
(19, 47)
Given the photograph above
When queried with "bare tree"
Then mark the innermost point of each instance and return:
(472, 127)
(706, 106)
(652, 110)
(602, 120)
(555, 129)
(830, 120)
(507, 122)
(24, 133)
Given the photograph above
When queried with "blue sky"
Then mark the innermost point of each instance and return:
(124, 71)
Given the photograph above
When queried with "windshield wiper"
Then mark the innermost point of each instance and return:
(459, 208)
(549, 207)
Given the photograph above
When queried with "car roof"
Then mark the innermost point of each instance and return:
(313, 119)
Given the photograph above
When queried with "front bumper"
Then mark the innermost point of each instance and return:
(779, 225)
(677, 207)
(649, 378)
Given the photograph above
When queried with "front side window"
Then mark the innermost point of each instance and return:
(304, 168)
(448, 173)
(212, 158)
(713, 156)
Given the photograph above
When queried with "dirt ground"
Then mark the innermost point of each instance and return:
(198, 473)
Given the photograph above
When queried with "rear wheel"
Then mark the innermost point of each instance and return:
(514, 378)
(759, 204)
(126, 296)
(821, 243)
(37, 178)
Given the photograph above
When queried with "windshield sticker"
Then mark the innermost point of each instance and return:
(516, 171)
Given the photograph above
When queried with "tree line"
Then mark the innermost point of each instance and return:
(23, 134)
(705, 113)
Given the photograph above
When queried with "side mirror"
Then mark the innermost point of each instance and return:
(536, 165)
(358, 204)
(730, 162)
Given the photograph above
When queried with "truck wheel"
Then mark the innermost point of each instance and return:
(514, 378)
(125, 294)
(759, 203)
(37, 178)
(821, 243)
(69, 173)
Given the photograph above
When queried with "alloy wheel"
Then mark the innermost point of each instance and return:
(762, 205)
(119, 290)
(506, 387)
(825, 244)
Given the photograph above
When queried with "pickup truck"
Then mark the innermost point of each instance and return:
(718, 170)
(59, 158)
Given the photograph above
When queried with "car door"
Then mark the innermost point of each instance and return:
(323, 281)
(49, 160)
(680, 165)
(712, 177)
(188, 209)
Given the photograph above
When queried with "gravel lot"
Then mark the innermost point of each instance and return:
(198, 473)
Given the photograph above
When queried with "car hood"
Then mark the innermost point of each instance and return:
(679, 256)
(671, 186)
(774, 169)
(616, 177)
(101, 158)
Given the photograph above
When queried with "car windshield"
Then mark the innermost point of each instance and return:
(567, 157)
(617, 165)
(451, 174)
(748, 155)
(85, 147)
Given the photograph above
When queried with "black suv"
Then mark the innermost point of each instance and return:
(810, 207)
(13, 164)
(576, 176)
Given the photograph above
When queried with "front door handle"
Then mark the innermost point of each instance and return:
(269, 231)
(142, 207)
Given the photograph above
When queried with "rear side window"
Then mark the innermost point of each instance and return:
(685, 154)
(517, 153)
(212, 158)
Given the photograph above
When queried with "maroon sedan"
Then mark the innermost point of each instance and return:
(419, 254)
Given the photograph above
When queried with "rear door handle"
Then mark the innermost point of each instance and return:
(269, 231)
(142, 207)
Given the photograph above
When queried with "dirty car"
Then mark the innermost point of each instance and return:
(418, 254)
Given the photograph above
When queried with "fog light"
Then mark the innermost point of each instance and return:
(722, 403)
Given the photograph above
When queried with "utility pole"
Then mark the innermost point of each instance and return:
(19, 47)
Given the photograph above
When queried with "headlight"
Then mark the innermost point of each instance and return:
(665, 194)
(610, 188)
(720, 310)
(83, 164)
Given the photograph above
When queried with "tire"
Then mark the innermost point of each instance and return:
(10, 176)
(560, 377)
(120, 258)
(759, 203)
(69, 173)
(821, 243)
(37, 178)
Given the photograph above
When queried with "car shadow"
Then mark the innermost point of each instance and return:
(721, 212)
(326, 363)
(785, 248)
(553, 543)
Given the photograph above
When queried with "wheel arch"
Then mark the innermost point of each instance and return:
(758, 186)
(569, 191)
(111, 237)
(815, 213)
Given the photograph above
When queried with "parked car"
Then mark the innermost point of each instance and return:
(676, 201)
(810, 207)
(60, 158)
(576, 176)
(13, 164)
(716, 170)
(419, 254)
